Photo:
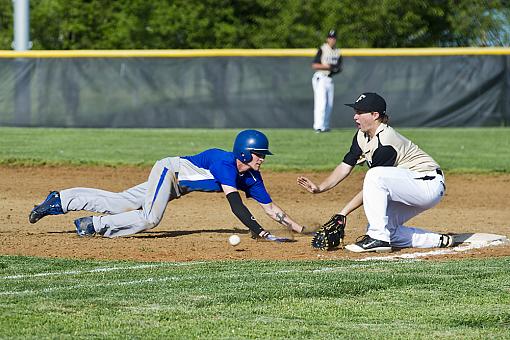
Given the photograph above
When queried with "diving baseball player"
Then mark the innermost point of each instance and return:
(141, 207)
(402, 182)
(327, 63)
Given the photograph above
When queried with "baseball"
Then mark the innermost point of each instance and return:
(234, 240)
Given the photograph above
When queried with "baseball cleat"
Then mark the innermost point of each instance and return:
(84, 226)
(366, 244)
(446, 241)
(50, 206)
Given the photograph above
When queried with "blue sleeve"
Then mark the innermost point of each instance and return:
(225, 173)
(258, 192)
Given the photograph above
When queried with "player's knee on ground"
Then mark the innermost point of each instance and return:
(151, 220)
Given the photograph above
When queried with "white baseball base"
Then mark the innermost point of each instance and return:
(462, 243)
(477, 238)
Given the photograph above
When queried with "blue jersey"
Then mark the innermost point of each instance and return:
(208, 170)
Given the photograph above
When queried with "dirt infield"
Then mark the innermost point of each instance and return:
(197, 226)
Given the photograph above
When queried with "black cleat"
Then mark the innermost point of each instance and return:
(446, 241)
(366, 244)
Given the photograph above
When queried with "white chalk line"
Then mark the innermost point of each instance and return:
(98, 270)
(116, 268)
(151, 280)
(76, 287)
(417, 255)
(408, 256)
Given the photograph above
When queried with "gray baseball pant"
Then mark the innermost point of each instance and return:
(131, 211)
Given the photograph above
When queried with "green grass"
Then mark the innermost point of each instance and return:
(56, 298)
(59, 298)
(456, 149)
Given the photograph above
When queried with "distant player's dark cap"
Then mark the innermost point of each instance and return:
(332, 34)
(369, 102)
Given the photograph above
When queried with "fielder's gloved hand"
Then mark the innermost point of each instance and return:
(336, 69)
(331, 234)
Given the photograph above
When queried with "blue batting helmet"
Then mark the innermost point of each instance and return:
(249, 141)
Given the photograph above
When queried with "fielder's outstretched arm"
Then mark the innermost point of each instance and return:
(277, 214)
(339, 174)
(353, 204)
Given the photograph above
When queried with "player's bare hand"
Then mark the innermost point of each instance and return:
(270, 237)
(308, 185)
(310, 230)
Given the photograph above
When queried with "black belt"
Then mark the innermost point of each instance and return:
(329, 76)
(428, 178)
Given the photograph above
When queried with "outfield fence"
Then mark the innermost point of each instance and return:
(249, 88)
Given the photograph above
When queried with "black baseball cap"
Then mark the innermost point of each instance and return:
(332, 34)
(369, 102)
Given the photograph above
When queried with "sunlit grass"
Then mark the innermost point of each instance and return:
(57, 298)
(458, 150)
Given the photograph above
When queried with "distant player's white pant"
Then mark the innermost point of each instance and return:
(392, 196)
(323, 95)
(136, 209)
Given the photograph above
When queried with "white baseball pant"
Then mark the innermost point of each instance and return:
(323, 95)
(392, 196)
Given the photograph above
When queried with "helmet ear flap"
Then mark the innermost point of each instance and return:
(246, 157)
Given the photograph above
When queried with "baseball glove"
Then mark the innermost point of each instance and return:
(331, 234)
(336, 68)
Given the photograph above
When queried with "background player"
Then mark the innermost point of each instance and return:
(402, 182)
(142, 207)
(327, 63)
